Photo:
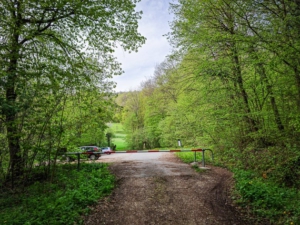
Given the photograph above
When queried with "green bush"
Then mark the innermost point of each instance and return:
(268, 200)
(61, 202)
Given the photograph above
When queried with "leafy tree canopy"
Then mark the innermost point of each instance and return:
(61, 46)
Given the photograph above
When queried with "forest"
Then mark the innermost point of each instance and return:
(231, 84)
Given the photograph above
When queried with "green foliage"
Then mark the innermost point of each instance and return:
(85, 117)
(189, 157)
(61, 201)
(57, 62)
(268, 200)
(287, 173)
(119, 136)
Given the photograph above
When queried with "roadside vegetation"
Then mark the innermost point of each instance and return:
(189, 157)
(63, 199)
(258, 194)
(266, 198)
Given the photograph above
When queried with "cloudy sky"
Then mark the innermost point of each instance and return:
(140, 66)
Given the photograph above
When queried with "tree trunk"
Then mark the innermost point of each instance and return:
(239, 79)
(262, 72)
(264, 78)
(13, 135)
(297, 79)
(10, 110)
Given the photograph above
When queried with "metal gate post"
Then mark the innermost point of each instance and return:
(203, 158)
(212, 154)
(78, 161)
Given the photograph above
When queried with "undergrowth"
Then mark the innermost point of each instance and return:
(189, 157)
(266, 199)
(62, 201)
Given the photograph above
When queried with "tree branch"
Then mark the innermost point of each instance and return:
(53, 19)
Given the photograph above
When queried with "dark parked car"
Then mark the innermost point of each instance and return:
(91, 152)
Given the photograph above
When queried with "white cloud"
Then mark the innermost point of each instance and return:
(140, 66)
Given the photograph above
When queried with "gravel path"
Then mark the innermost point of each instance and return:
(157, 188)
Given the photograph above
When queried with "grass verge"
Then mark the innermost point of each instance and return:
(189, 157)
(63, 201)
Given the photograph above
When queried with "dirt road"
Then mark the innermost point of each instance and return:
(156, 188)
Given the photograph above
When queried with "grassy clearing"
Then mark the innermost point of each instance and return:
(119, 138)
(63, 201)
